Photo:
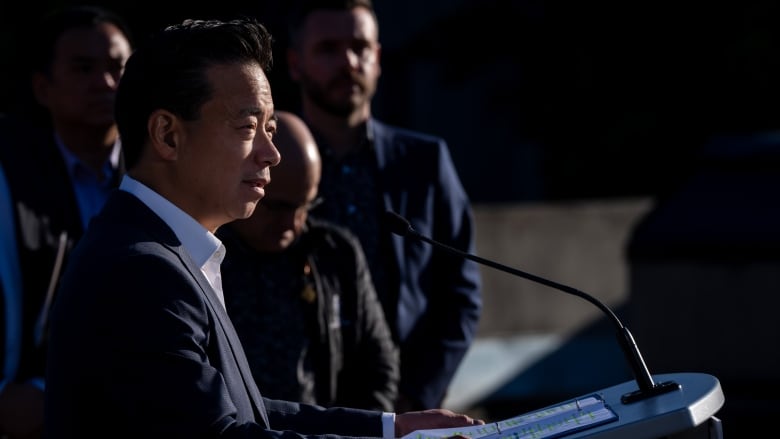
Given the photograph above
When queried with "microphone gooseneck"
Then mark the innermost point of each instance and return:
(647, 388)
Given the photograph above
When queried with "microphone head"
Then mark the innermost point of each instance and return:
(397, 224)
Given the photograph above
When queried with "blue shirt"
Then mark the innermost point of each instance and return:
(91, 189)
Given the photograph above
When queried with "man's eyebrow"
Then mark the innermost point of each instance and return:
(251, 111)
(256, 111)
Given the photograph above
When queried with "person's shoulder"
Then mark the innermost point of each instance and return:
(127, 227)
(325, 229)
(383, 129)
(322, 226)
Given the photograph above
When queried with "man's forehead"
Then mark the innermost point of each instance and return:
(242, 89)
(357, 23)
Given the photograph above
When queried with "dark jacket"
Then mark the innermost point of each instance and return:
(350, 349)
(48, 222)
(141, 346)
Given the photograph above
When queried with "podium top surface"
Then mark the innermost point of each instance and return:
(698, 398)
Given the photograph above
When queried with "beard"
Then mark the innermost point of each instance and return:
(325, 97)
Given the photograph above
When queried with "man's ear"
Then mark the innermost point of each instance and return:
(164, 133)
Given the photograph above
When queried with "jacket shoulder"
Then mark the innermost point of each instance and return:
(382, 130)
(319, 230)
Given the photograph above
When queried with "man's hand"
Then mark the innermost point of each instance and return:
(408, 422)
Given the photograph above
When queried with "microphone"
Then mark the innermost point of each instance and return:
(647, 387)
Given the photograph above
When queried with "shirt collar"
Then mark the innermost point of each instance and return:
(73, 162)
(199, 242)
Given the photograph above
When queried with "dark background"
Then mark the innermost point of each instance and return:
(539, 100)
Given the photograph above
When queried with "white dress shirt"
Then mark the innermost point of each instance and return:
(205, 249)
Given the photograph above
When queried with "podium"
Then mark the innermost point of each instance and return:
(684, 413)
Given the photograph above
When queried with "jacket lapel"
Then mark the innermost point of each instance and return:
(168, 238)
(227, 328)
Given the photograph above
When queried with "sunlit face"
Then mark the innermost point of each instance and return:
(85, 72)
(223, 158)
(337, 62)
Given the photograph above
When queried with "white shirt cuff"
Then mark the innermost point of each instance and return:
(388, 425)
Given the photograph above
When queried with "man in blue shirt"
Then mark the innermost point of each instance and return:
(61, 166)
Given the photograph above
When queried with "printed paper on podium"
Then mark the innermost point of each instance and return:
(550, 422)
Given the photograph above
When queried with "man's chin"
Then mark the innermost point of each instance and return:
(249, 209)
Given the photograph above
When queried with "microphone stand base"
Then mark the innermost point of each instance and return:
(657, 389)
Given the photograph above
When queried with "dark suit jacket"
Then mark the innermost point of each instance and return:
(353, 362)
(439, 300)
(45, 208)
(141, 346)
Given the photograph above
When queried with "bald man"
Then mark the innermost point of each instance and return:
(300, 294)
